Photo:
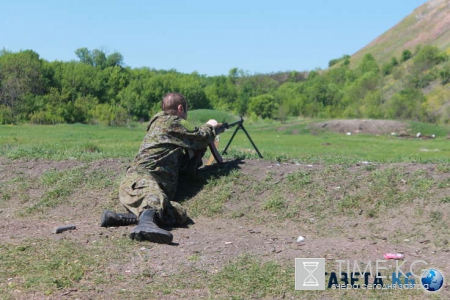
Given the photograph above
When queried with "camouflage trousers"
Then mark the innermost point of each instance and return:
(140, 191)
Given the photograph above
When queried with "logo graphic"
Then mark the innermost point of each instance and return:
(310, 273)
(432, 280)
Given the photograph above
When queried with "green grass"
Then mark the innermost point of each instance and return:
(57, 185)
(49, 268)
(60, 185)
(248, 278)
(214, 195)
(338, 190)
(59, 266)
(428, 129)
(293, 141)
(77, 141)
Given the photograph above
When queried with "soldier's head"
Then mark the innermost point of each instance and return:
(174, 104)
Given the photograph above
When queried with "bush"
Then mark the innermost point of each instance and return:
(406, 104)
(428, 56)
(110, 115)
(263, 105)
(6, 115)
(444, 74)
(406, 54)
(45, 117)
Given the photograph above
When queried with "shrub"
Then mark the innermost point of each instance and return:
(110, 115)
(6, 115)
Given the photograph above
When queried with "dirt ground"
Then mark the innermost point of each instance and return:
(216, 240)
(227, 237)
(214, 237)
(364, 126)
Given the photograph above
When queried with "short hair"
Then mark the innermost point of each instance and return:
(170, 102)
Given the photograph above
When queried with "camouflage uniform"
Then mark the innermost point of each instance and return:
(151, 180)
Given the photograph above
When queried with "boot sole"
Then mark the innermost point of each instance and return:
(154, 237)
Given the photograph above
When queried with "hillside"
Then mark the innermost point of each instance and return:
(427, 24)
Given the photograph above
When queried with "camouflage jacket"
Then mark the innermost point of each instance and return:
(166, 144)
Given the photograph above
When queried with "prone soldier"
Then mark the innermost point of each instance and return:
(151, 180)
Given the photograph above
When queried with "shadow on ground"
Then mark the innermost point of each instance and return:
(190, 186)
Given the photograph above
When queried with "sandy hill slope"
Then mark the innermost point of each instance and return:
(427, 24)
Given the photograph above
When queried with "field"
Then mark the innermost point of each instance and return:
(355, 189)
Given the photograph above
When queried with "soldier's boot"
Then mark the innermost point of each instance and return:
(112, 219)
(147, 230)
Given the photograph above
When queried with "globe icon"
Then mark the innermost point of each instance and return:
(432, 280)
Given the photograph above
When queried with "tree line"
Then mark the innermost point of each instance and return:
(98, 89)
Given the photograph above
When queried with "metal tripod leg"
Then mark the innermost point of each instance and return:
(250, 139)
(232, 137)
(240, 126)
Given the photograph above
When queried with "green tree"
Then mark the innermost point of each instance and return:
(355, 93)
(192, 87)
(115, 59)
(290, 101)
(371, 105)
(340, 76)
(444, 74)
(427, 57)
(77, 79)
(98, 58)
(222, 93)
(21, 74)
(368, 64)
(406, 104)
(139, 96)
(387, 68)
(316, 90)
(263, 105)
(111, 81)
(250, 86)
(84, 55)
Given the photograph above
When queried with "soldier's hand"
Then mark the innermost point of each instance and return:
(213, 123)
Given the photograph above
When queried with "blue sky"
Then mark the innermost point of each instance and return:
(210, 37)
